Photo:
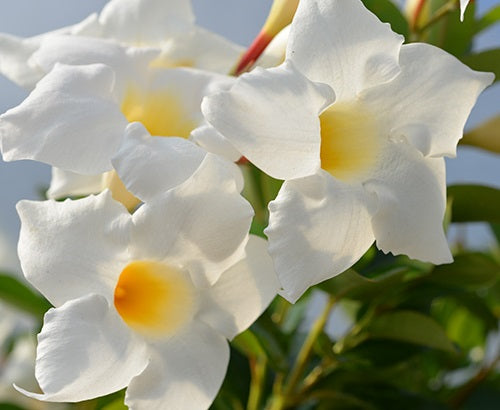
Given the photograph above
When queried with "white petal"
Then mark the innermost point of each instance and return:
(14, 55)
(203, 49)
(275, 52)
(243, 292)
(344, 45)
(318, 227)
(75, 50)
(145, 21)
(428, 104)
(84, 351)
(271, 117)
(463, 6)
(149, 166)
(213, 141)
(187, 86)
(411, 191)
(72, 248)
(66, 184)
(202, 224)
(69, 121)
(186, 372)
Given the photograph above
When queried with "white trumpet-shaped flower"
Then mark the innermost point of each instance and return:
(146, 300)
(77, 116)
(357, 125)
(165, 25)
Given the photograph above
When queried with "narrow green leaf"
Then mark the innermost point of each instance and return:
(411, 327)
(116, 405)
(474, 203)
(491, 17)
(488, 60)
(352, 285)
(248, 344)
(469, 270)
(485, 136)
(270, 341)
(19, 295)
(388, 12)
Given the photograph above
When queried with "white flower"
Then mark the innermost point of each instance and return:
(145, 300)
(76, 118)
(358, 126)
(167, 26)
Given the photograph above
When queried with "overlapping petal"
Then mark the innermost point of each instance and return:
(318, 227)
(243, 292)
(348, 60)
(126, 62)
(145, 21)
(73, 248)
(213, 141)
(65, 184)
(428, 103)
(272, 111)
(201, 224)
(86, 358)
(411, 191)
(149, 166)
(14, 55)
(185, 372)
(202, 49)
(70, 121)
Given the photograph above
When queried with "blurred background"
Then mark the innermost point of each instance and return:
(240, 21)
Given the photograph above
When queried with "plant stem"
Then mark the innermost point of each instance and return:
(280, 400)
(258, 368)
(440, 13)
(418, 10)
(466, 391)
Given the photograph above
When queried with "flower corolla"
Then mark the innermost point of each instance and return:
(357, 125)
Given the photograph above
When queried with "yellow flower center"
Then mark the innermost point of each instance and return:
(154, 299)
(161, 112)
(350, 141)
(112, 181)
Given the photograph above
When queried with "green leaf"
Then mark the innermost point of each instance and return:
(488, 60)
(411, 327)
(491, 17)
(259, 343)
(485, 136)
(352, 285)
(469, 270)
(116, 405)
(461, 326)
(19, 295)
(248, 344)
(474, 203)
(449, 33)
(388, 12)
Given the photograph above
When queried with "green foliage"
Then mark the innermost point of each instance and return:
(19, 295)
(388, 12)
(474, 203)
(485, 61)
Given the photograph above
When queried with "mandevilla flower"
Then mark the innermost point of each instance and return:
(76, 118)
(166, 25)
(145, 300)
(357, 125)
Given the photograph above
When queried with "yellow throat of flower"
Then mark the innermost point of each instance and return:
(161, 112)
(350, 141)
(154, 299)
